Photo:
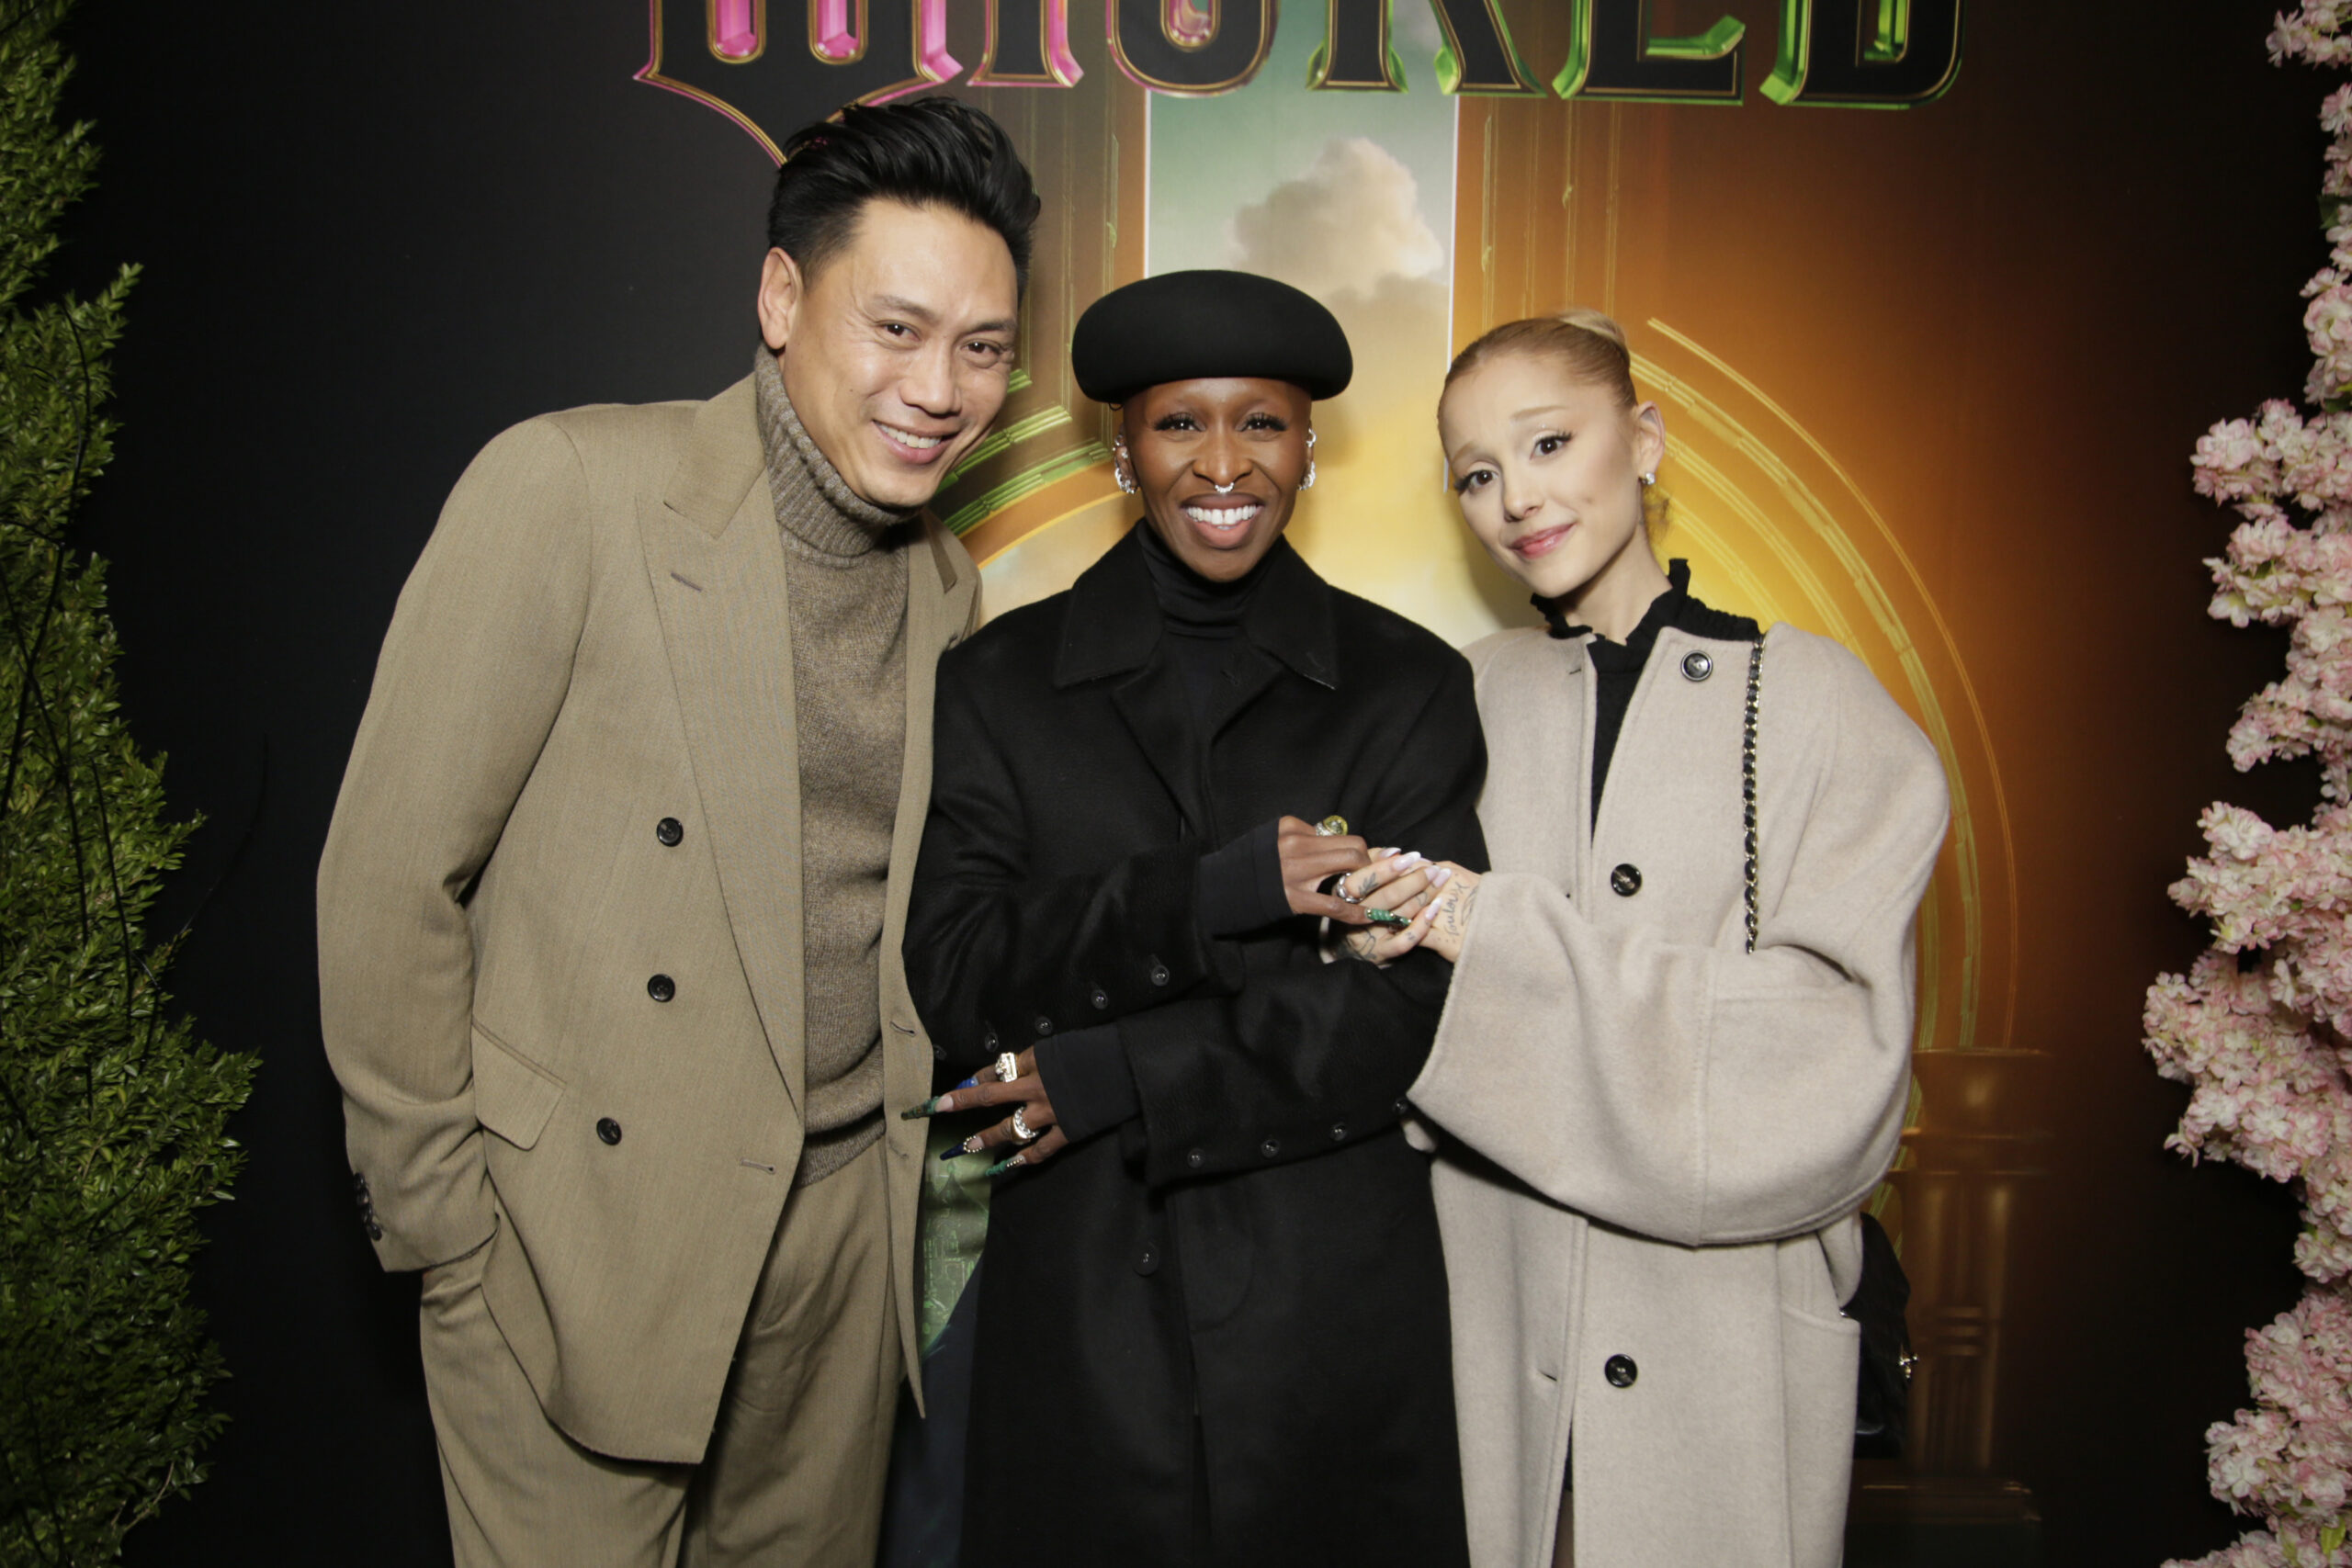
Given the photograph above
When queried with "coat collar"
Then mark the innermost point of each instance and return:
(724, 458)
(1112, 623)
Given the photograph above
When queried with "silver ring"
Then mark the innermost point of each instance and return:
(1008, 1068)
(1021, 1128)
(1347, 894)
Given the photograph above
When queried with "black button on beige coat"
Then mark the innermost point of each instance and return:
(1259, 1246)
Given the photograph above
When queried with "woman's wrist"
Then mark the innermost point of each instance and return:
(1446, 923)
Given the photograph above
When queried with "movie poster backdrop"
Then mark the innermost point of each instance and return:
(1926, 290)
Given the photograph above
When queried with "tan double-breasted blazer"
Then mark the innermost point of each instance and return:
(1652, 1143)
(559, 910)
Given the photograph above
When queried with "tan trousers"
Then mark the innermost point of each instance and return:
(795, 1469)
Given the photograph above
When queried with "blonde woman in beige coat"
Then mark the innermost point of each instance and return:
(1654, 1123)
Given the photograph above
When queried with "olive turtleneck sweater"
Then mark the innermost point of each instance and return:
(846, 585)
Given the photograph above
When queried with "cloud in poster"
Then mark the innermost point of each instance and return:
(1349, 223)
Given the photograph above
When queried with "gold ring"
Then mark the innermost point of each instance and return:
(1331, 827)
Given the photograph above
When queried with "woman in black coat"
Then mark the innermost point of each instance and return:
(1212, 1317)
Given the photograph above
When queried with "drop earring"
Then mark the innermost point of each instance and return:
(1120, 463)
(1308, 482)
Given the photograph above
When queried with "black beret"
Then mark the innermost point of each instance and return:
(1187, 326)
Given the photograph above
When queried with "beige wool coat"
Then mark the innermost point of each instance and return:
(1652, 1144)
(576, 774)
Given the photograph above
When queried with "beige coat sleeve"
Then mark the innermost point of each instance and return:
(472, 673)
(1699, 1094)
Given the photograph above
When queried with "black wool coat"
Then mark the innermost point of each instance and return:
(1217, 1332)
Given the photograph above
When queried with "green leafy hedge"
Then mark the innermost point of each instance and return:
(112, 1117)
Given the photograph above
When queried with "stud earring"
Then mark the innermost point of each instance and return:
(1119, 465)
(1648, 479)
(1308, 482)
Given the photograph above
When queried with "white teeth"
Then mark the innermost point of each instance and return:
(1223, 516)
(909, 438)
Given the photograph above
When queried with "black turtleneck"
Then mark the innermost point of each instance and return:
(1203, 619)
(1617, 666)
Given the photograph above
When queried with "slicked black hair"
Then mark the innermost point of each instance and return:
(927, 151)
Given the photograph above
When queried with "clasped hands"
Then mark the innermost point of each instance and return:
(1334, 876)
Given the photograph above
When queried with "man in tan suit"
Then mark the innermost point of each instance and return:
(610, 913)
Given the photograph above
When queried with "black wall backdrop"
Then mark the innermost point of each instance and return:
(375, 234)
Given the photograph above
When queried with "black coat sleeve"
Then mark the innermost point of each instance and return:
(1085, 1075)
(998, 960)
(1309, 1055)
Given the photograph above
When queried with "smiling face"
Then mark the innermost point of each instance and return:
(1548, 470)
(896, 355)
(1218, 463)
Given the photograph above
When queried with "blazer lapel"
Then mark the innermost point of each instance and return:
(717, 568)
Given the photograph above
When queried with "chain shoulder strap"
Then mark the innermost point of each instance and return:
(1747, 772)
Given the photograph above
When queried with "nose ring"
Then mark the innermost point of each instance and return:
(1226, 490)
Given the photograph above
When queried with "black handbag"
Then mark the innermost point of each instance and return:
(1883, 1394)
(1883, 1391)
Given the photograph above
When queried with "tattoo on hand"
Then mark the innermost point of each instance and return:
(1455, 914)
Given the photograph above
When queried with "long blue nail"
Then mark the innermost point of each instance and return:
(925, 1109)
(952, 1150)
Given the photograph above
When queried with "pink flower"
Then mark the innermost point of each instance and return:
(2310, 34)
(2255, 1549)
(2260, 1027)
(2235, 832)
(2226, 461)
(2335, 111)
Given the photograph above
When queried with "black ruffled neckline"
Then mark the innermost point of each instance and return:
(1676, 607)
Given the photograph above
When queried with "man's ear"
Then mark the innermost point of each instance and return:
(782, 288)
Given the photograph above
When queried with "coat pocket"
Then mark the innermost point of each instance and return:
(514, 1096)
(1818, 1361)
